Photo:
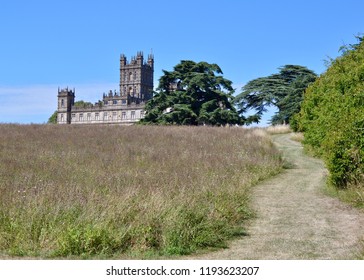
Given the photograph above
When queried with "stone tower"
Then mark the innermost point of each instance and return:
(66, 99)
(136, 79)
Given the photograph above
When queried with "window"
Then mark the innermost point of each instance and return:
(132, 115)
(123, 102)
(130, 76)
(62, 118)
(88, 116)
(123, 115)
(97, 116)
(73, 116)
(81, 117)
(141, 114)
(105, 116)
(105, 102)
(62, 102)
(114, 102)
(114, 116)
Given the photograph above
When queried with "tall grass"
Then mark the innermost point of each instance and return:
(278, 129)
(297, 136)
(107, 191)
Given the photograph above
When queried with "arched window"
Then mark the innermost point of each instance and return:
(62, 102)
(130, 76)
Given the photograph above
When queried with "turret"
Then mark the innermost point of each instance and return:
(151, 60)
(66, 99)
(139, 58)
(122, 59)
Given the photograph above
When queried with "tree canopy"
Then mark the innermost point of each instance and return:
(283, 90)
(192, 94)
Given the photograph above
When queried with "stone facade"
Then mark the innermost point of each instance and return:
(123, 107)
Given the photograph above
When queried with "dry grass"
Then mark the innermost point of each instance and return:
(297, 136)
(278, 129)
(353, 195)
(109, 190)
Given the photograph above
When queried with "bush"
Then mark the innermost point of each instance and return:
(332, 118)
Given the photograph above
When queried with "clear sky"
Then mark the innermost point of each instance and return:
(49, 44)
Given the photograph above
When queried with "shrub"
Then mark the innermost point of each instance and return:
(332, 118)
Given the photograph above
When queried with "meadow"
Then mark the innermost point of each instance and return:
(126, 192)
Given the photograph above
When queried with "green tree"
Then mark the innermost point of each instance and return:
(283, 90)
(192, 94)
(53, 118)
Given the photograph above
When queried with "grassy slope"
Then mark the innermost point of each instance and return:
(107, 191)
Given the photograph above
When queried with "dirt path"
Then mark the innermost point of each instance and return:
(295, 220)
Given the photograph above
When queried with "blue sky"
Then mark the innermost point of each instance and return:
(47, 44)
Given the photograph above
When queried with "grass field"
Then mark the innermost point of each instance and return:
(116, 192)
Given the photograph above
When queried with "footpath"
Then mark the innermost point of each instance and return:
(295, 219)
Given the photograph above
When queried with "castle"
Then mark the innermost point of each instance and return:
(123, 107)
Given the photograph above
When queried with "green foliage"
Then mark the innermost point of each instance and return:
(332, 117)
(82, 103)
(192, 94)
(53, 118)
(283, 90)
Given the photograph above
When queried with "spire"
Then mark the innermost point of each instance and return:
(139, 54)
(151, 59)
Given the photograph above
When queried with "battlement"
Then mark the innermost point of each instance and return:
(66, 92)
(137, 60)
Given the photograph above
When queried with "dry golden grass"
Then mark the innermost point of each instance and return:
(297, 136)
(278, 129)
(108, 190)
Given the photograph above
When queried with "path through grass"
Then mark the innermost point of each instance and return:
(295, 219)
